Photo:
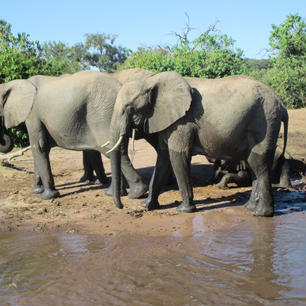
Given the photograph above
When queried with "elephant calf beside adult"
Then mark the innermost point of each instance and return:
(231, 118)
(73, 112)
(239, 173)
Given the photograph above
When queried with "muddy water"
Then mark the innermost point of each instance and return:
(240, 260)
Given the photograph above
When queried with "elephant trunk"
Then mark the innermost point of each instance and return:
(116, 176)
(6, 142)
(118, 129)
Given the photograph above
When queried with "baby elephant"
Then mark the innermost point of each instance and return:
(238, 172)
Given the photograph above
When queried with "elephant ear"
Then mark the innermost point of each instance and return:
(19, 101)
(171, 98)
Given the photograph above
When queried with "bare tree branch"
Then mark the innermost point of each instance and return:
(212, 28)
(15, 154)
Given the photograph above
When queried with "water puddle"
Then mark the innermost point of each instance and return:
(244, 261)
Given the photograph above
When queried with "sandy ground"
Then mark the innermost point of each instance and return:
(84, 208)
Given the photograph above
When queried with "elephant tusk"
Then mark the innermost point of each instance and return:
(115, 146)
(106, 144)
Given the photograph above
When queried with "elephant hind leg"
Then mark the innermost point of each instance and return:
(180, 162)
(261, 200)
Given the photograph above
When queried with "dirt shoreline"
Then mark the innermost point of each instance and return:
(83, 208)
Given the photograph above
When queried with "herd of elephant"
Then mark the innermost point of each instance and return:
(233, 118)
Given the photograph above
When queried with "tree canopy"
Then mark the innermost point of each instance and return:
(287, 74)
(211, 55)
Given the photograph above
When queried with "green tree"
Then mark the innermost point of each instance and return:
(257, 64)
(211, 55)
(19, 58)
(102, 53)
(18, 55)
(288, 58)
(61, 58)
(289, 38)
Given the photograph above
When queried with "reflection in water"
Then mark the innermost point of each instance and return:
(246, 261)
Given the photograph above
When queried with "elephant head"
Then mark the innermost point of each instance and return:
(151, 106)
(16, 100)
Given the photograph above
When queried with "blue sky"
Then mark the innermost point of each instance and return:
(149, 23)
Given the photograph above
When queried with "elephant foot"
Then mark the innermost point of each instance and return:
(261, 204)
(85, 178)
(186, 208)
(104, 182)
(38, 189)
(149, 204)
(285, 184)
(109, 192)
(49, 194)
(264, 211)
(250, 205)
(137, 191)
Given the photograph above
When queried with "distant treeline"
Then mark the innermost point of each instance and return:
(211, 55)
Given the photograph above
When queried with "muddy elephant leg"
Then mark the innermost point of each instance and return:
(261, 200)
(180, 162)
(160, 174)
(251, 203)
(284, 180)
(42, 164)
(38, 185)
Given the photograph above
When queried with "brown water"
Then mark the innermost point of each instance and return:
(255, 261)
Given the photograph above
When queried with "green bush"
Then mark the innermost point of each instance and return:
(208, 56)
(20, 136)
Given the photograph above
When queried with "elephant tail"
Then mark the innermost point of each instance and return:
(285, 120)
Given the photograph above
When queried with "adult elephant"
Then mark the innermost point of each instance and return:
(73, 112)
(92, 161)
(235, 117)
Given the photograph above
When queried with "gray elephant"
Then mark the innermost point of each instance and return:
(92, 161)
(234, 117)
(73, 112)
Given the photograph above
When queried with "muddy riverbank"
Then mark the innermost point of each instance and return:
(79, 249)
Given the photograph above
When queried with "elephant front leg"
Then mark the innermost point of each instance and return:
(180, 162)
(43, 175)
(160, 174)
(38, 185)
